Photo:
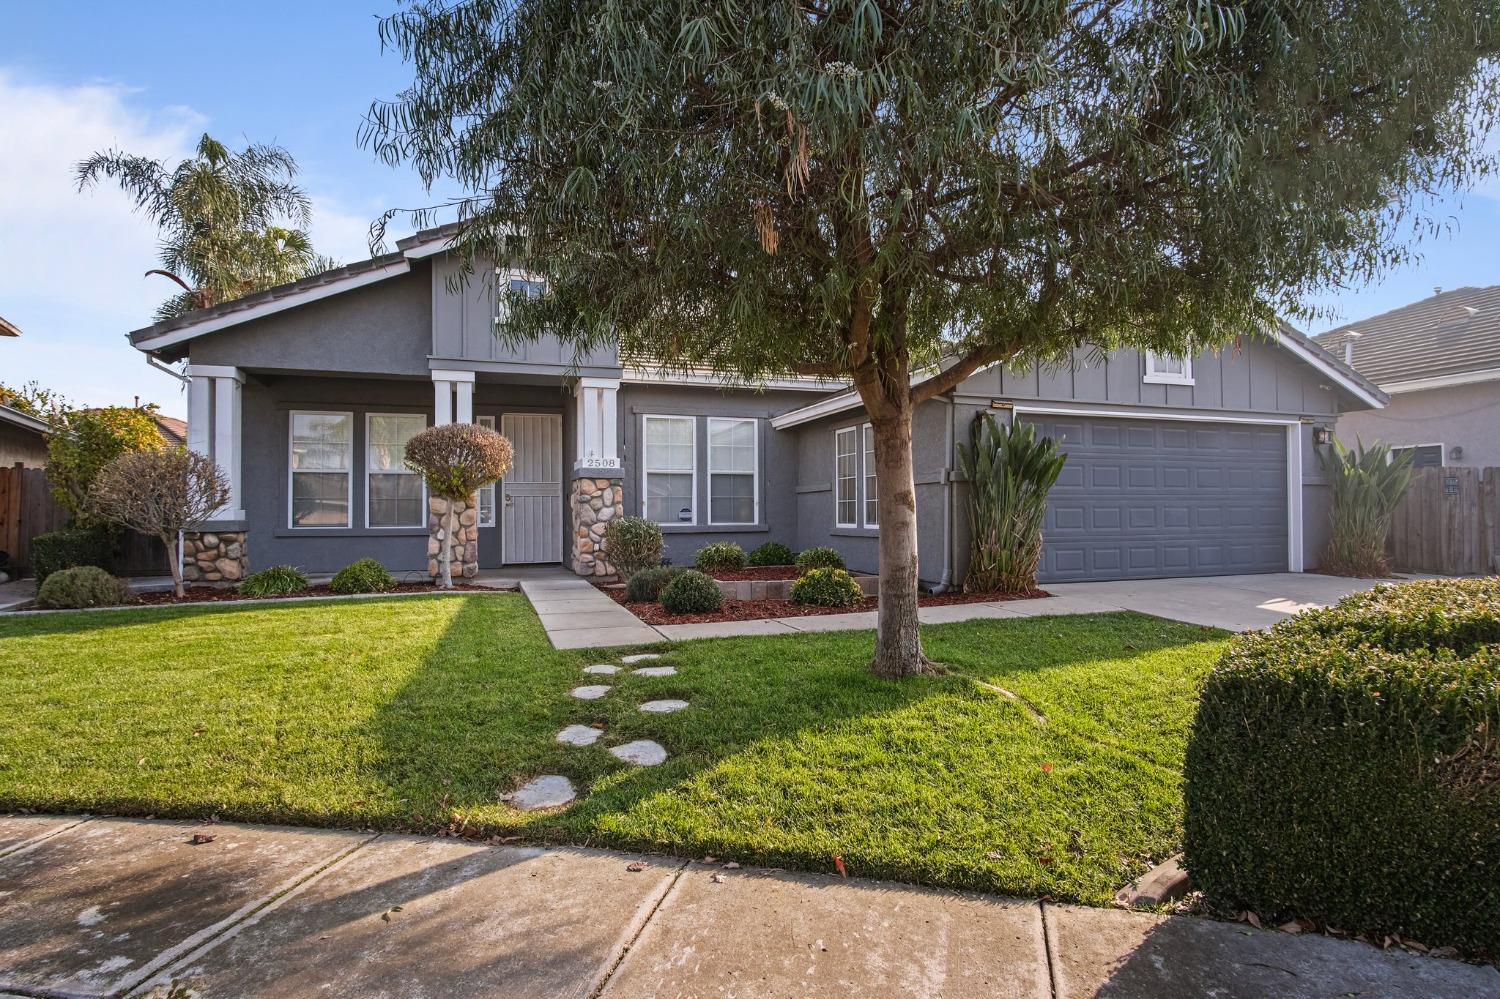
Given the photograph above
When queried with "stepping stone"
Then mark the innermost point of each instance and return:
(580, 735)
(602, 669)
(642, 752)
(591, 692)
(547, 791)
(655, 671)
(640, 657)
(663, 707)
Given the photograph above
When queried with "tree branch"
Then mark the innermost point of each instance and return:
(966, 366)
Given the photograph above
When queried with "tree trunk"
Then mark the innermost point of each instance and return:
(445, 556)
(174, 557)
(898, 643)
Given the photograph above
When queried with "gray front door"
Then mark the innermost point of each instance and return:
(531, 492)
(1141, 499)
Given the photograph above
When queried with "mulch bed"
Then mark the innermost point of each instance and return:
(756, 572)
(215, 594)
(759, 610)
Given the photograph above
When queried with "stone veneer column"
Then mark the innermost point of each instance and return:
(594, 503)
(214, 556)
(465, 536)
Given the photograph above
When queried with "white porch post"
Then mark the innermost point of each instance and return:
(1294, 435)
(598, 493)
(214, 424)
(444, 384)
(442, 401)
(597, 424)
(465, 409)
(200, 403)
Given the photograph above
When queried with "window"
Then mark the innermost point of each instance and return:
(1423, 455)
(731, 472)
(486, 493)
(669, 469)
(517, 284)
(872, 498)
(1168, 369)
(846, 477)
(321, 456)
(394, 494)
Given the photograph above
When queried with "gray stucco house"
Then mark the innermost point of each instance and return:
(1439, 361)
(306, 393)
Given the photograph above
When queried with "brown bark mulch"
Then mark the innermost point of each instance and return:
(215, 594)
(759, 610)
(756, 572)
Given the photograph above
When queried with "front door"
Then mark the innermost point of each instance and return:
(530, 511)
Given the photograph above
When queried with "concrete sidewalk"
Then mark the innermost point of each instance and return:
(100, 907)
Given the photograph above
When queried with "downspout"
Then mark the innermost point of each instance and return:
(159, 366)
(945, 583)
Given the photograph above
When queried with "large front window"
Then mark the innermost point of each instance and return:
(394, 493)
(872, 498)
(669, 469)
(322, 455)
(846, 477)
(731, 471)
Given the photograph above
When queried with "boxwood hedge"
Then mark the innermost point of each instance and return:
(1345, 766)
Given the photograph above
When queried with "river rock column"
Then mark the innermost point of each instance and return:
(215, 556)
(595, 502)
(465, 521)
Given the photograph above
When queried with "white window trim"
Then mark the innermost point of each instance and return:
(1442, 451)
(494, 521)
(402, 471)
(646, 469)
(867, 458)
(1155, 377)
(754, 472)
(291, 439)
(858, 479)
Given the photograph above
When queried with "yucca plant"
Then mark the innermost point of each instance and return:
(1010, 471)
(1368, 484)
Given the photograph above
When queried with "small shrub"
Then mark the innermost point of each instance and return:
(632, 545)
(819, 558)
(720, 555)
(67, 549)
(827, 588)
(276, 581)
(648, 583)
(1345, 766)
(691, 592)
(1367, 486)
(771, 553)
(82, 586)
(363, 576)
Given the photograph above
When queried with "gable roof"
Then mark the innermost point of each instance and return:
(25, 421)
(173, 429)
(1448, 339)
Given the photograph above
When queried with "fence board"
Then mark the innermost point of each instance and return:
(1444, 523)
(27, 509)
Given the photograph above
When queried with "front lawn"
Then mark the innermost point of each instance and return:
(418, 713)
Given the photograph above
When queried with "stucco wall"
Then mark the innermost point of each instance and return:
(20, 445)
(1466, 416)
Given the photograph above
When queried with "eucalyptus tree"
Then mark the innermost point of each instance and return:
(901, 192)
(230, 222)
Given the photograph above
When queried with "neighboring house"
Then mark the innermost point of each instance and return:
(1439, 360)
(8, 328)
(23, 439)
(306, 394)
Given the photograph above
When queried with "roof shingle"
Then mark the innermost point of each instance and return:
(1452, 333)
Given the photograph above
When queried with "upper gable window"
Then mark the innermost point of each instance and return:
(1168, 369)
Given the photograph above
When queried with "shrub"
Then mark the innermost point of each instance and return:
(721, 555)
(456, 460)
(1345, 766)
(82, 586)
(691, 592)
(771, 553)
(648, 583)
(276, 581)
(827, 588)
(1367, 487)
(69, 548)
(819, 558)
(363, 576)
(632, 545)
(1010, 471)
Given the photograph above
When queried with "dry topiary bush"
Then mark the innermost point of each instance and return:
(456, 459)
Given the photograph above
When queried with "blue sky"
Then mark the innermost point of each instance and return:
(83, 76)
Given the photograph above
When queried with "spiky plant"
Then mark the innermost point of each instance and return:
(1368, 484)
(1010, 471)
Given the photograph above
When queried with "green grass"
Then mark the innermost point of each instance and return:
(418, 713)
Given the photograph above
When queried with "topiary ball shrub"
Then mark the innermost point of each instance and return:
(819, 558)
(632, 545)
(691, 592)
(771, 553)
(1345, 767)
(827, 588)
(720, 556)
(58, 550)
(277, 581)
(363, 576)
(648, 583)
(82, 586)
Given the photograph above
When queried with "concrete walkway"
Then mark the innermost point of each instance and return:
(104, 907)
(578, 615)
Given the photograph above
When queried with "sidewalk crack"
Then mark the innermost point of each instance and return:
(1047, 947)
(637, 927)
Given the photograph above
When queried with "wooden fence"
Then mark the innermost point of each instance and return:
(1449, 522)
(28, 509)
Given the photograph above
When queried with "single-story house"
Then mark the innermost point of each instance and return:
(23, 439)
(306, 394)
(1439, 361)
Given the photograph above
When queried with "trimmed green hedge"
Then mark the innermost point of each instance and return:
(632, 545)
(647, 584)
(819, 558)
(827, 588)
(719, 555)
(70, 547)
(770, 553)
(82, 586)
(1345, 766)
(691, 592)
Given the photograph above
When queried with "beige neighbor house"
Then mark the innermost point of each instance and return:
(1439, 361)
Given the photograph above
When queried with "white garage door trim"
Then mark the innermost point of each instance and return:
(1293, 427)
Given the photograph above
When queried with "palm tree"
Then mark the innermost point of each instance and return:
(231, 223)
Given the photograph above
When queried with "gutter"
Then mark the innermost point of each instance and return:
(946, 581)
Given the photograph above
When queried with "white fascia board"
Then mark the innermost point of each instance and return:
(1152, 413)
(26, 420)
(1441, 381)
(1315, 359)
(451, 375)
(428, 249)
(850, 399)
(638, 375)
(272, 307)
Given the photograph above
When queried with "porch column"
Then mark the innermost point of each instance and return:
(215, 428)
(444, 384)
(598, 495)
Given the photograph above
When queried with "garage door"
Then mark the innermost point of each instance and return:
(1141, 499)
